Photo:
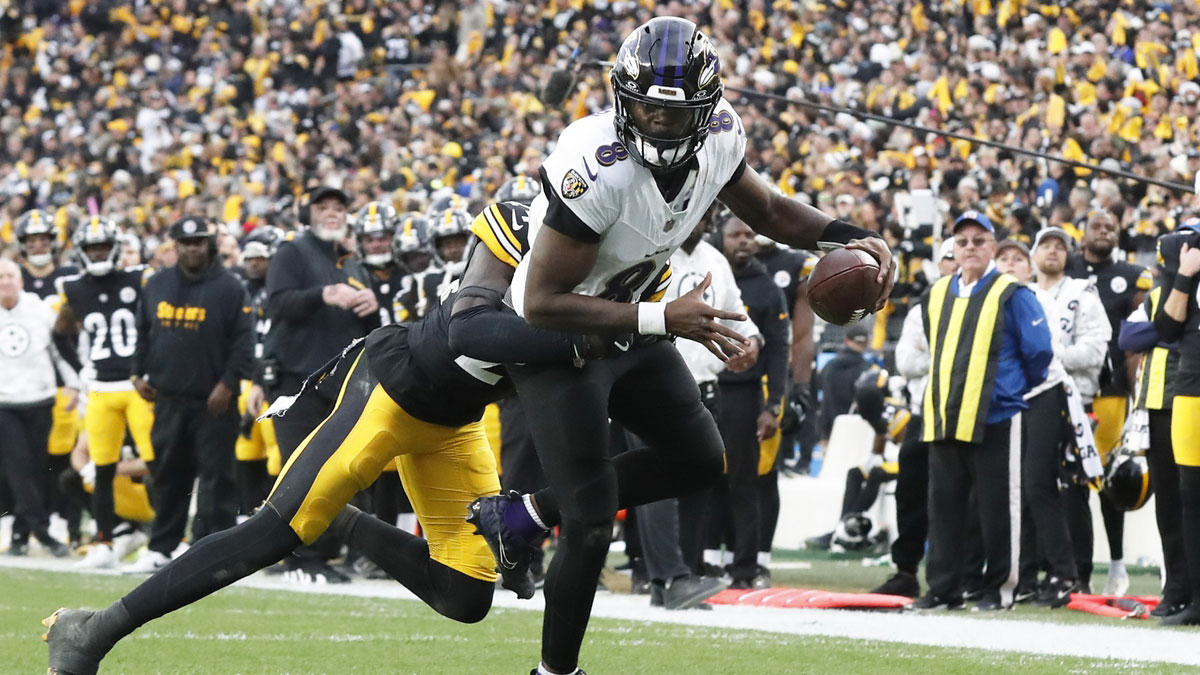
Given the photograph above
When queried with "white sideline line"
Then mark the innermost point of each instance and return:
(1124, 643)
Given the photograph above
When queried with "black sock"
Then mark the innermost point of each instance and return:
(211, 564)
(102, 502)
(254, 484)
(405, 558)
(1189, 492)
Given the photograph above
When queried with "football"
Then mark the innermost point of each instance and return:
(842, 288)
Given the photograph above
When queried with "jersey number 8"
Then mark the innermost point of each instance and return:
(623, 284)
(121, 334)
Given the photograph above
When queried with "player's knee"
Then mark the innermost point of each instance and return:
(878, 474)
(593, 536)
(470, 606)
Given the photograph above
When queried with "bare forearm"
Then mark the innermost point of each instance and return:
(803, 353)
(1176, 305)
(574, 313)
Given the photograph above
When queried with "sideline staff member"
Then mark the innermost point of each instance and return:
(198, 344)
(989, 344)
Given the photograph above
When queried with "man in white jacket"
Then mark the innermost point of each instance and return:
(30, 364)
(1086, 334)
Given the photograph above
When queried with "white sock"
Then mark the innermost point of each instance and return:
(764, 558)
(1117, 567)
(527, 500)
(712, 557)
(543, 670)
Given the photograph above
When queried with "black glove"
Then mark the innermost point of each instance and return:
(796, 410)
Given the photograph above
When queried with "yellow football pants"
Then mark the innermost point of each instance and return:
(65, 428)
(261, 444)
(107, 414)
(1185, 430)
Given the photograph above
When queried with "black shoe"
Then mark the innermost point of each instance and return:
(687, 592)
(820, 543)
(742, 584)
(18, 548)
(974, 594)
(903, 584)
(989, 601)
(1056, 593)
(714, 571)
(74, 649)
(577, 672)
(513, 554)
(640, 584)
(1168, 608)
(762, 578)
(1185, 617)
(934, 603)
(1025, 594)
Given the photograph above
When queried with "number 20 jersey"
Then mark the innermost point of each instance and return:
(107, 308)
(607, 197)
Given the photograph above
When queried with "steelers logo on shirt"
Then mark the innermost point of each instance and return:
(1118, 284)
(14, 340)
(782, 278)
(127, 295)
(573, 185)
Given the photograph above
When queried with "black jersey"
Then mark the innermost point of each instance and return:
(386, 283)
(1187, 378)
(414, 362)
(420, 294)
(256, 290)
(788, 269)
(1118, 282)
(45, 287)
(107, 308)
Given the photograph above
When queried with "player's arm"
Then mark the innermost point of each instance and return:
(804, 351)
(1170, 320)
(560, 262)
(786, 220)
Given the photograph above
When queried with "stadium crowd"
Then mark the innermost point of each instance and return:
(244, 116)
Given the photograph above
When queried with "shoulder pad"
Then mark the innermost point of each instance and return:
(504, 229)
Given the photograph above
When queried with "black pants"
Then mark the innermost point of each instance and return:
(1083, 535)
(741, 405)
(650, 391)
(954, 468)
(1045, 537)
(1168, 507)
(191, 446)
(24, 437)
(912, 499)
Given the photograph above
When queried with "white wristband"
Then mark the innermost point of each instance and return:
(652, 318)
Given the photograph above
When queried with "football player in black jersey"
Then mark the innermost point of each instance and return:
(421, 293)
(1178, 320)
(411, 245)
(257, 450)
(101, 302)
(1122, 287)
(37, 241)
(375, 228)
(413, 393)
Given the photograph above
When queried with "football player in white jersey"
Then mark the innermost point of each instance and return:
(620, 193)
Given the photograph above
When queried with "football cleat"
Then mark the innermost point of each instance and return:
(934, 603)
(901, 583)
(148, 562)
(1055, 594)
(100, 556)
(73, 650)
(512, 552)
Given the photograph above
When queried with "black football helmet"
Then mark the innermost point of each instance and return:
(520, 188)
(445, 199)
(669, 65)
(376, 218)
(411, 245)
(1127, 479)
(448, 223)
(35, 222)
(262, 242)
(94, 231)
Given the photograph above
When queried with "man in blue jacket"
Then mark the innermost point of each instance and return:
(989, 343)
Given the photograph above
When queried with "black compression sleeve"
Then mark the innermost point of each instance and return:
(500, 336)
(841, 232)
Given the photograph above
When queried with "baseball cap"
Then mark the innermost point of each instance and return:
(858, 332)
(1006, 244)
(1058, 232)
(328, 191)
(974, 218)
(192, 227)
(946, 250)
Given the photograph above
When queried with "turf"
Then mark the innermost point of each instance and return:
(256, 631)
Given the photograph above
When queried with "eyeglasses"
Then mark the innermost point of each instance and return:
(977, 242)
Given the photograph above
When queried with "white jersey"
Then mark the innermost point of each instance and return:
(617, 200)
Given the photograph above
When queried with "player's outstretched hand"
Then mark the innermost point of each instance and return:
(878, 248)
(1189, 261)
(692, 318)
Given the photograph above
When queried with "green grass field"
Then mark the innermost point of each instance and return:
(257, 631)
